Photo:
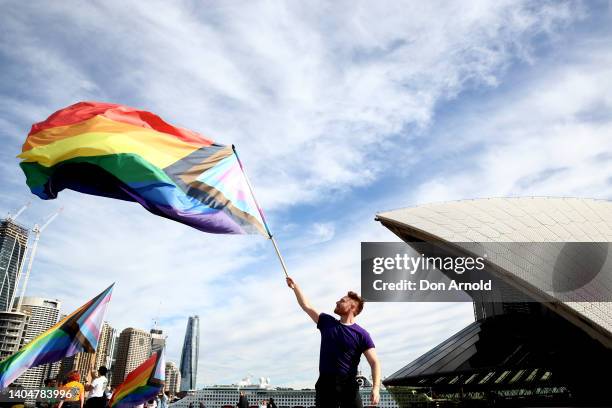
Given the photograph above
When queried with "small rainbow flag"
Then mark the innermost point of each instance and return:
(77, 332)
(120, 152)
(142, 384)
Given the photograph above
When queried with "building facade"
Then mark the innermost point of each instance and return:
(13, 244)
(190, 354)
(83, 363)
(42, 315)
(133, 348)
(12, 327)
(173, 378)
(106, 347)
(158, 340)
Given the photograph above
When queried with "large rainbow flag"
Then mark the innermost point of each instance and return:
(120, 152)
(142, 384)
(77, 332)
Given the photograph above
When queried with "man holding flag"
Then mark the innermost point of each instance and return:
(342, 343)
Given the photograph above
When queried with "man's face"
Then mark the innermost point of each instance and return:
(344, 306)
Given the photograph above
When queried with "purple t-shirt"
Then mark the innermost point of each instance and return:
(341, 346)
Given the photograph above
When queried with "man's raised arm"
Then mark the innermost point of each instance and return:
(303, 302)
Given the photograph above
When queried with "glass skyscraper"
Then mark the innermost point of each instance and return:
(13, 242)
(189, 355)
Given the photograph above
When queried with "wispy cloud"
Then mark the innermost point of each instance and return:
(308, 93)
(548, 136)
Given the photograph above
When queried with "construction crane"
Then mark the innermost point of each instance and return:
(37, 230)
(156, 318)
(22, 209)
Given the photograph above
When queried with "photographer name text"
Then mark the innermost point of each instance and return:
(425, 285)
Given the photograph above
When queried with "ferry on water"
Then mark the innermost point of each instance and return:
(226, 396)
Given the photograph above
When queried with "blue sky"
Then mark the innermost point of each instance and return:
(339, 110)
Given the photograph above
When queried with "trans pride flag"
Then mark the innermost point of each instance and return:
(77, 332)
(120, 152)
(142, 384)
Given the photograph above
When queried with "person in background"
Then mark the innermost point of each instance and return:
(271, 403)
(96, 398)
(243, 402)
(48, 403)
(76, 389)
(163, 400)
(51, 383)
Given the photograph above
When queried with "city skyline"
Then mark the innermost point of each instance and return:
(39, 314)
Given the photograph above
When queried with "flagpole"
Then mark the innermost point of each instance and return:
(270, 236)
(280, 257)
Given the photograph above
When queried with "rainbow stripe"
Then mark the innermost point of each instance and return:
(77, 332)
(142, 384)
(119, 152)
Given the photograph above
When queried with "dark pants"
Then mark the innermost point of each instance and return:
(95, 402)
(334, 392)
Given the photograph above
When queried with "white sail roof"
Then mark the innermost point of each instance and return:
(531, 219)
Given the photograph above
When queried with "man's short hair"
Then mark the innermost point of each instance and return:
(102, 370)
(358, 299)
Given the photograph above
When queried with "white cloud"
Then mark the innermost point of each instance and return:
(311, 95)
(550, 136)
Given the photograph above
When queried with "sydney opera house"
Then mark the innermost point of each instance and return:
(544, 350)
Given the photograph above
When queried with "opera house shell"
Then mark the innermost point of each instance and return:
(544, 350)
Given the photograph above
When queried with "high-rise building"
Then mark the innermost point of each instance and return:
(133, 348)
(158, 340)
(82, 362)
(43, 314)
(173, 378)
(189, 354)
(106, 347)
(12, 325)
(13, 243)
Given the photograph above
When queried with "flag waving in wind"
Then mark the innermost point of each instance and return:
(77, 332)
(120, 152)
(142, 384)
